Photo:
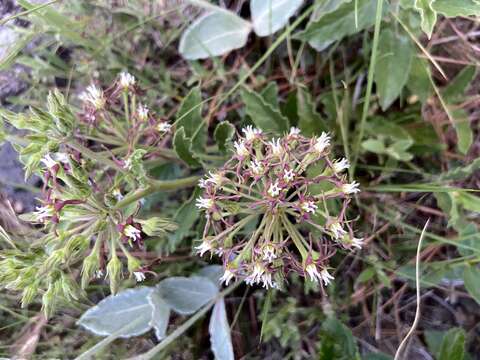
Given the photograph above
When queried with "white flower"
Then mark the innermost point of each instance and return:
(336, 230)
(139, 276)
(202, 183)
(204, 203)
(215, 178)
(164, 127)
(294, 131)
(309, 206)
(268, 253)
(48, 161)
(267, 281)
(256, 276)
(322, 143)
(340, 165)
(94, 96)
(277, 149)
(99, 274)
(142, 112)
(43, 212)
(204, 247)
(326, 277)
(274, 189)
(118, 194)
(127, 165)
(288, 176)
(132, 232)
(257, 167)
(251, 133)
(227, 276)
(126, 80)
(241, 149)
(351, 188)
(357, 242)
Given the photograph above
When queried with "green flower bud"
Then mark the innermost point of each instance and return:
(114, 271)
(56, 258)
(29, 294)
(90, 267)
(133, 263)
(157, 226)
(76, 244)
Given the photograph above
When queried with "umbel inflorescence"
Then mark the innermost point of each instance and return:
(277, 206)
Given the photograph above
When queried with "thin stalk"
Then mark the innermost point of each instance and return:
(371, 70)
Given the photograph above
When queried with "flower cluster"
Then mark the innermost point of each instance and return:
(271, 209)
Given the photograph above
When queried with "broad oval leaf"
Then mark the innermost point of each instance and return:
(186, 295)
(453, 345)
(126, 314)
(219, 329)
(393, 66)
(224, 133)
(160, 314)
(183, 147)
(268, 16)
(428, 15)
(213, 273)
(214, 34)
(453, 8)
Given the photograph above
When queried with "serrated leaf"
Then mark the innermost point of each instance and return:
(224, 132)
(268, 16)
(264, 115)
(128, 310)
(183, 148)
(270, 94)
(219, 329)
(189, 116)
(395, 54)
(160, 314)
(453, 345)
(214, 34)
(310, 121)
(428, 15)
(454, 8)
(336, 25)
(186, 295)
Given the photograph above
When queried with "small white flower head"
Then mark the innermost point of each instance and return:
(288, 176)
(204, 203)
(357, 242)
(266, 279)
(117, 194)
(257, 167)
(227, 277)
(251, 133)
(274, 189)
(326, 277)
(142, 112)
(202, 183)
(48, 161)
(127, 165)
(132, 233)
(164, 127)
(99, 274)
(312, 271)
(61, 157)
(93, 96)
(241, 149)
(276, 147)
(139, 276)
(350, 188)
(309, 206)
(204, 247)
(340, 165)
(322, 143)
(336, 230)
(269, 253)
(215, 178)
(256, 276)
(126, 80)
(43, 212)
(294, 131)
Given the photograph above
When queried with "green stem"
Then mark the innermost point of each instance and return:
(371, 71)
(93, 155)
(156, 186)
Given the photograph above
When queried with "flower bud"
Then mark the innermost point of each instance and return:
(114, 272)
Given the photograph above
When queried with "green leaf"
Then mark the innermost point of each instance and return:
(219, 329)
(374, 145)
(309, 120)
(183, 148)
(344, 340)
(268, 16)
(468, 201)
(186, 216)
(213, 273)
(395, 52)
(454, 8)
(128, 310)
(463, 130)
(336, 25)
(434, 341)
(270, 94)
(186, 295)
(456, 88)
(427, 14)
(214, 34)
(264, 115)
(224, 133)
(189, 116)
(471, 278)
(419, 82)
(453, 345)
(160, 314)
(461, 172)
